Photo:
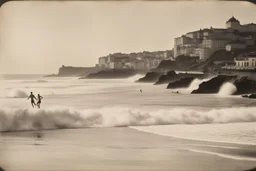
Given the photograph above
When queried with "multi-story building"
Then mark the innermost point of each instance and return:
(103, 62)
(204, 42)
(138, 61)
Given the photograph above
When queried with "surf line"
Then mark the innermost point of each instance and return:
(223, 155)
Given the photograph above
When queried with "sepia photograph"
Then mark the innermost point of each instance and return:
(127, 85)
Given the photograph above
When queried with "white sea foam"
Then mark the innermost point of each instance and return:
(227, 89)
(224, 155)
(17, 93)
(63, 117)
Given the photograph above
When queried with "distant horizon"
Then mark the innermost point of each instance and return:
(41, 36)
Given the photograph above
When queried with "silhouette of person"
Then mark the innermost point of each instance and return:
(39, 100)
(32, 97)
(141, 90)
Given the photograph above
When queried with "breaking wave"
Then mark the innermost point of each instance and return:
(227, 89)
(60, 118)
(196, 82)
(17, 93)
(135, 77)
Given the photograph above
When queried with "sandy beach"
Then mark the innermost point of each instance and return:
(122, 149)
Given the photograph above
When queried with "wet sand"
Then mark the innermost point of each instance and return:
(117, 149)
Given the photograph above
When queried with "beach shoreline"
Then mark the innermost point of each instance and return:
(123, 149)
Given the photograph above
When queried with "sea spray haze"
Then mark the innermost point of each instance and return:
(16, 93)
(227, 89)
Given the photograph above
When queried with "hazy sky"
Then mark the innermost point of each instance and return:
(38, 37)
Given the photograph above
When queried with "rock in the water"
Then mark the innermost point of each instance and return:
(150, 77)
(170, 76)
(252, 96)
(182, 83)
(212, 86)
(245, 96)
(245, 86)
(111, 74)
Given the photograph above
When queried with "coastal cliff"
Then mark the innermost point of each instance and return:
(70, 71)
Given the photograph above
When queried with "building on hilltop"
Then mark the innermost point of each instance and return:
(204, 42)
(234, 24)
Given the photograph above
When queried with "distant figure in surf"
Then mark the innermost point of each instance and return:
(141, 90)
(39, 100)
(32, 97)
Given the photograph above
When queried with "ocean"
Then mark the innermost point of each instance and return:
(108, 124)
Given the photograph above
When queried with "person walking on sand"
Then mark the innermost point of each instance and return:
(32, 97)
(39, 100)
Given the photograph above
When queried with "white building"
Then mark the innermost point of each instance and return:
(246, 62)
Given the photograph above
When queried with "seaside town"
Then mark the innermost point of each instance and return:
(236, 40)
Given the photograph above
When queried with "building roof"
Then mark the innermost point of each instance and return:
(245, 56)
(232, 19)
(249, 24)
(194, 31)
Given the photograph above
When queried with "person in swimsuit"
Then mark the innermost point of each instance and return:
(32, 97)
(39, 100)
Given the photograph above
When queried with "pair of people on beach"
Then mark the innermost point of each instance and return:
(32, 97)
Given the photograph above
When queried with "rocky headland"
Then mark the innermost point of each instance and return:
(70, 71)
(110, 74)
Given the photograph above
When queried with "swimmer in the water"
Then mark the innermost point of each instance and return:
(32, 97)
(39, 100)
